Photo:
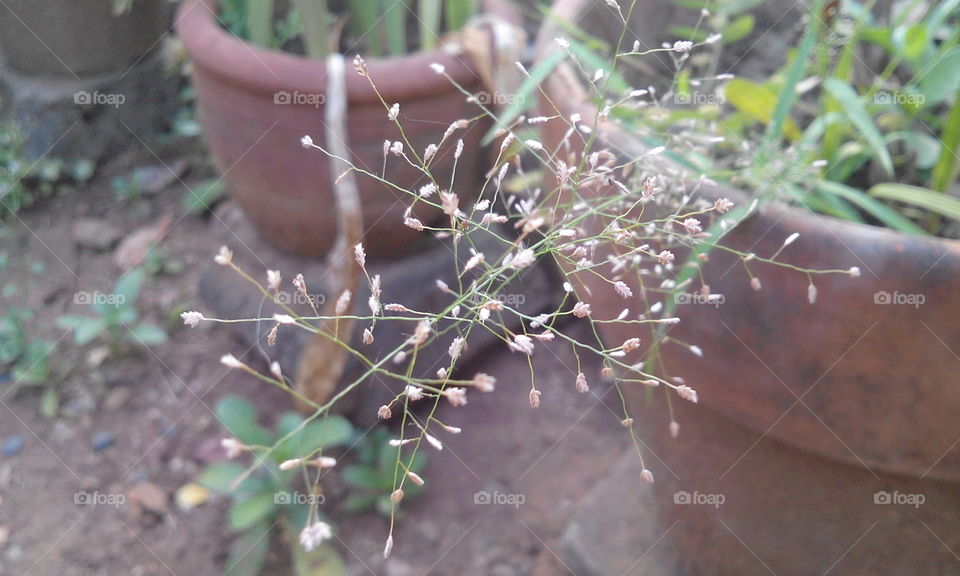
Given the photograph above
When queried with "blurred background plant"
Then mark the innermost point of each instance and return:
(381, 26)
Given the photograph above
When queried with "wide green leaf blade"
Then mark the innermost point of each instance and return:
(245, 513)
(878, 210)
(931, 200)
(858, 115)
(239, 417)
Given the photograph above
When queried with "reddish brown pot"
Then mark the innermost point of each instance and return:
(869, 390)
(284, 188)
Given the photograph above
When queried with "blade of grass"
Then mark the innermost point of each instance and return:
(458, 12)
(363, 20)
(948, 166)
(759, 103)
(394, 21)
(260, 22)
(921, 197)
(428, 11)
(885, 214)
(788, 94)
(314, 27)
(857, 113)
(525, 93)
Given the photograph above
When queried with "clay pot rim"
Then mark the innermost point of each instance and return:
(564, 82)
(266, 71)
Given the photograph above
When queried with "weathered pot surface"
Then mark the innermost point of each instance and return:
(867, 375)
(256, 104)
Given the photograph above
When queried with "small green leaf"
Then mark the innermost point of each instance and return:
(220, 475)
(941, 80)
(914, 41)
(128, 287)
(148, 334)
(50, 404)
(245, 513)
(330, 431)
(203, 196)
(738, 29)
(948, 165)
(857, 113)
(87, 329)
(239, 417)
(365, 478)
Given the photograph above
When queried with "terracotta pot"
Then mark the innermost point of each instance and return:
(824, 404)
(79, 38)
(244, 96)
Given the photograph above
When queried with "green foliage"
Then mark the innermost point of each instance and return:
(380, 24)
(263, 498)
(371, 479)
(117, 317)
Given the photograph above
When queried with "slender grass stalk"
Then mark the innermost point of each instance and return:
(395, 26)
(363, 21)
(315, 27)
(260, 22)
(458, 12)
(429, 13)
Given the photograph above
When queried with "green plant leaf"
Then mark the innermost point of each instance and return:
(128, 287)
(250, 511)
(941, 80)
(912, 41)
(148, 334)
(366, 478)
(885, 214)
(50, 404)
(239, 417)
(248, 552)
(203, 196)
(927, 199)
(219, 476)
(689, 33)
(322, 561)
(947, 166)
(780, 121)
(738, 29)
(360, 502)
(758, 103)
(857, 113)
(85, 329)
